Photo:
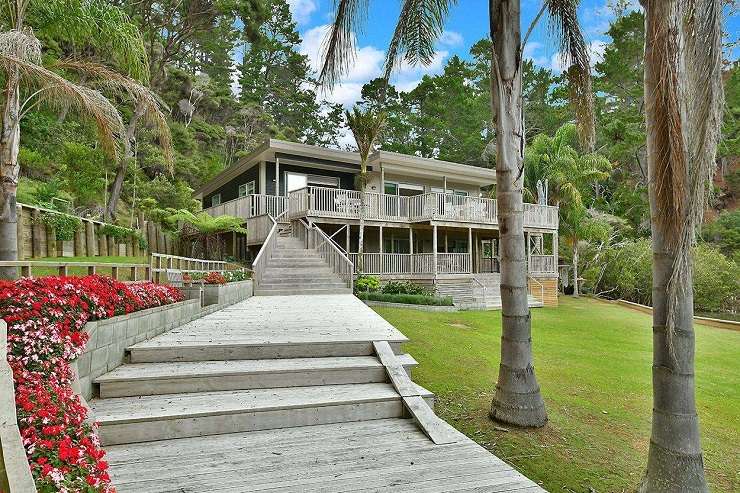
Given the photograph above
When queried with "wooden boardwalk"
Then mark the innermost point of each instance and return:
(284, 394)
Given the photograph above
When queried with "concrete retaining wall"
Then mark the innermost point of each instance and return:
(226, 294)
(713, 322)
(421, 308)
(109, 338)
(15, 475)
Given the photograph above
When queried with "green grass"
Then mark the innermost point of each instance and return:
(123, 273)
(593, 363)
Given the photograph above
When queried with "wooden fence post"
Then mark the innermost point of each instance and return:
(20, 231)
(102, 244)
(90, 238)
(37, 231)
(51, 242)
(79, 242)
(112, 246)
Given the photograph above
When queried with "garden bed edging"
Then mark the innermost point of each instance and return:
(422, 308)
(226, 294)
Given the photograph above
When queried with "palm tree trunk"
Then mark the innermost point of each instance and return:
(517, 400)
(128, 154)
(675, 461)
(576, 292)
(361, 244)
(9, 170)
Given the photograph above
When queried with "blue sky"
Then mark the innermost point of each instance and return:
(466, 24)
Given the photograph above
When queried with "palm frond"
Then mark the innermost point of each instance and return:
(339, 45)
(56, 91)
(564, 25)
(100, 24)
(106, 78)
(420, 24)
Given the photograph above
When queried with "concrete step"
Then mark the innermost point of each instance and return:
(171, 416)
(301, 284)
(299, 270)
(300, 290)
(206, 376)
(218, 350)
(296, 262)
(299, 276)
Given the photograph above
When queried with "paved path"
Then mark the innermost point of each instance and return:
(361, 438)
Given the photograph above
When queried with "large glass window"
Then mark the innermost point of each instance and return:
(390, 188)
(295, 181)
(215, 199)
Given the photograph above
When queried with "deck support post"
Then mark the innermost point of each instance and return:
(347, 237)
(470, 248)
(446, 244)
(381, 239)
(382, 179)
(555, 251)
(277, 176)
(434, 249)
(444, 184)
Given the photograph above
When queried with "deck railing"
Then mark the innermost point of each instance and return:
(266, 251)
(317, 240)
(416, 263)
(542, 264)
(258, 228)
(250, 206)
(348, 204)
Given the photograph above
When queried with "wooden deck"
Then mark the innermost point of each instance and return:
(252, 378)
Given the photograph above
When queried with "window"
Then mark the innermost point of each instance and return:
(215, 199)
(323, 181)
(458, 246)
(408, 189)
(295, 181)
(390, 188)
(247, 188)
(462, 193)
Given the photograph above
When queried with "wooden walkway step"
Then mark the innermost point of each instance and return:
(380, 455)
(206, 376)
(169, 416)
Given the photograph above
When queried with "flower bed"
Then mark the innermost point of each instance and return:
(46, 319)
(407, 299)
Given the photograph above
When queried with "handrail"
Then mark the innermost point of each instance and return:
(542, 288)
(481, 285)
(178, 266)
(265, 253)
(329, 251)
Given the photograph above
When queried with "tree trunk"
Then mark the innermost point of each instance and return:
(675, 461)
(517, 400)
(361, 239)
(9, 170)
(576, 292)
(128, 154)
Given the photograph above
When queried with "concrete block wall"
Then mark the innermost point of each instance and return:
(226, 294)
(109, 338)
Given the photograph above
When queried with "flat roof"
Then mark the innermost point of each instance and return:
(350, 161)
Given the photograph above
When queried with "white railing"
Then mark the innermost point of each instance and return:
(317, 240)
(348, 204)
(453, 263)
(542, 264)
(250, 206)
(266, 251)
(416, 263)
(170, 268)
(536, 288)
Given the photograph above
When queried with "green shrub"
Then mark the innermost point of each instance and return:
(409, 299)
(366, 283)
(64, 225)
(625, 271)
(236, 275)
(406, 287)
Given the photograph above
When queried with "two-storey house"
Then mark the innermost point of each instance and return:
(424, 219)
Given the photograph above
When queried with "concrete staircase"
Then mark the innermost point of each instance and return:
(165, 393)
(295, 269)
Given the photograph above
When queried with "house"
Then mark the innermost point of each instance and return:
(425, 219)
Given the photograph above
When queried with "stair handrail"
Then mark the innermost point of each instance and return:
(477, 281)
(541, 286)
(330, 252)
(266, 250)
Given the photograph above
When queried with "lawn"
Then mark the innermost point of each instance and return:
(593, 363)
(123, 273)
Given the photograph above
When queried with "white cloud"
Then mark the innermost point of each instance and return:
(302, 10)
(367, 65)
(451, 38)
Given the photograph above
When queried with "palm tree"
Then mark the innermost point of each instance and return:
(29, 84)
(683, 111)
(517, 400)
(568, 175)
(366, 126)
(578, 224)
